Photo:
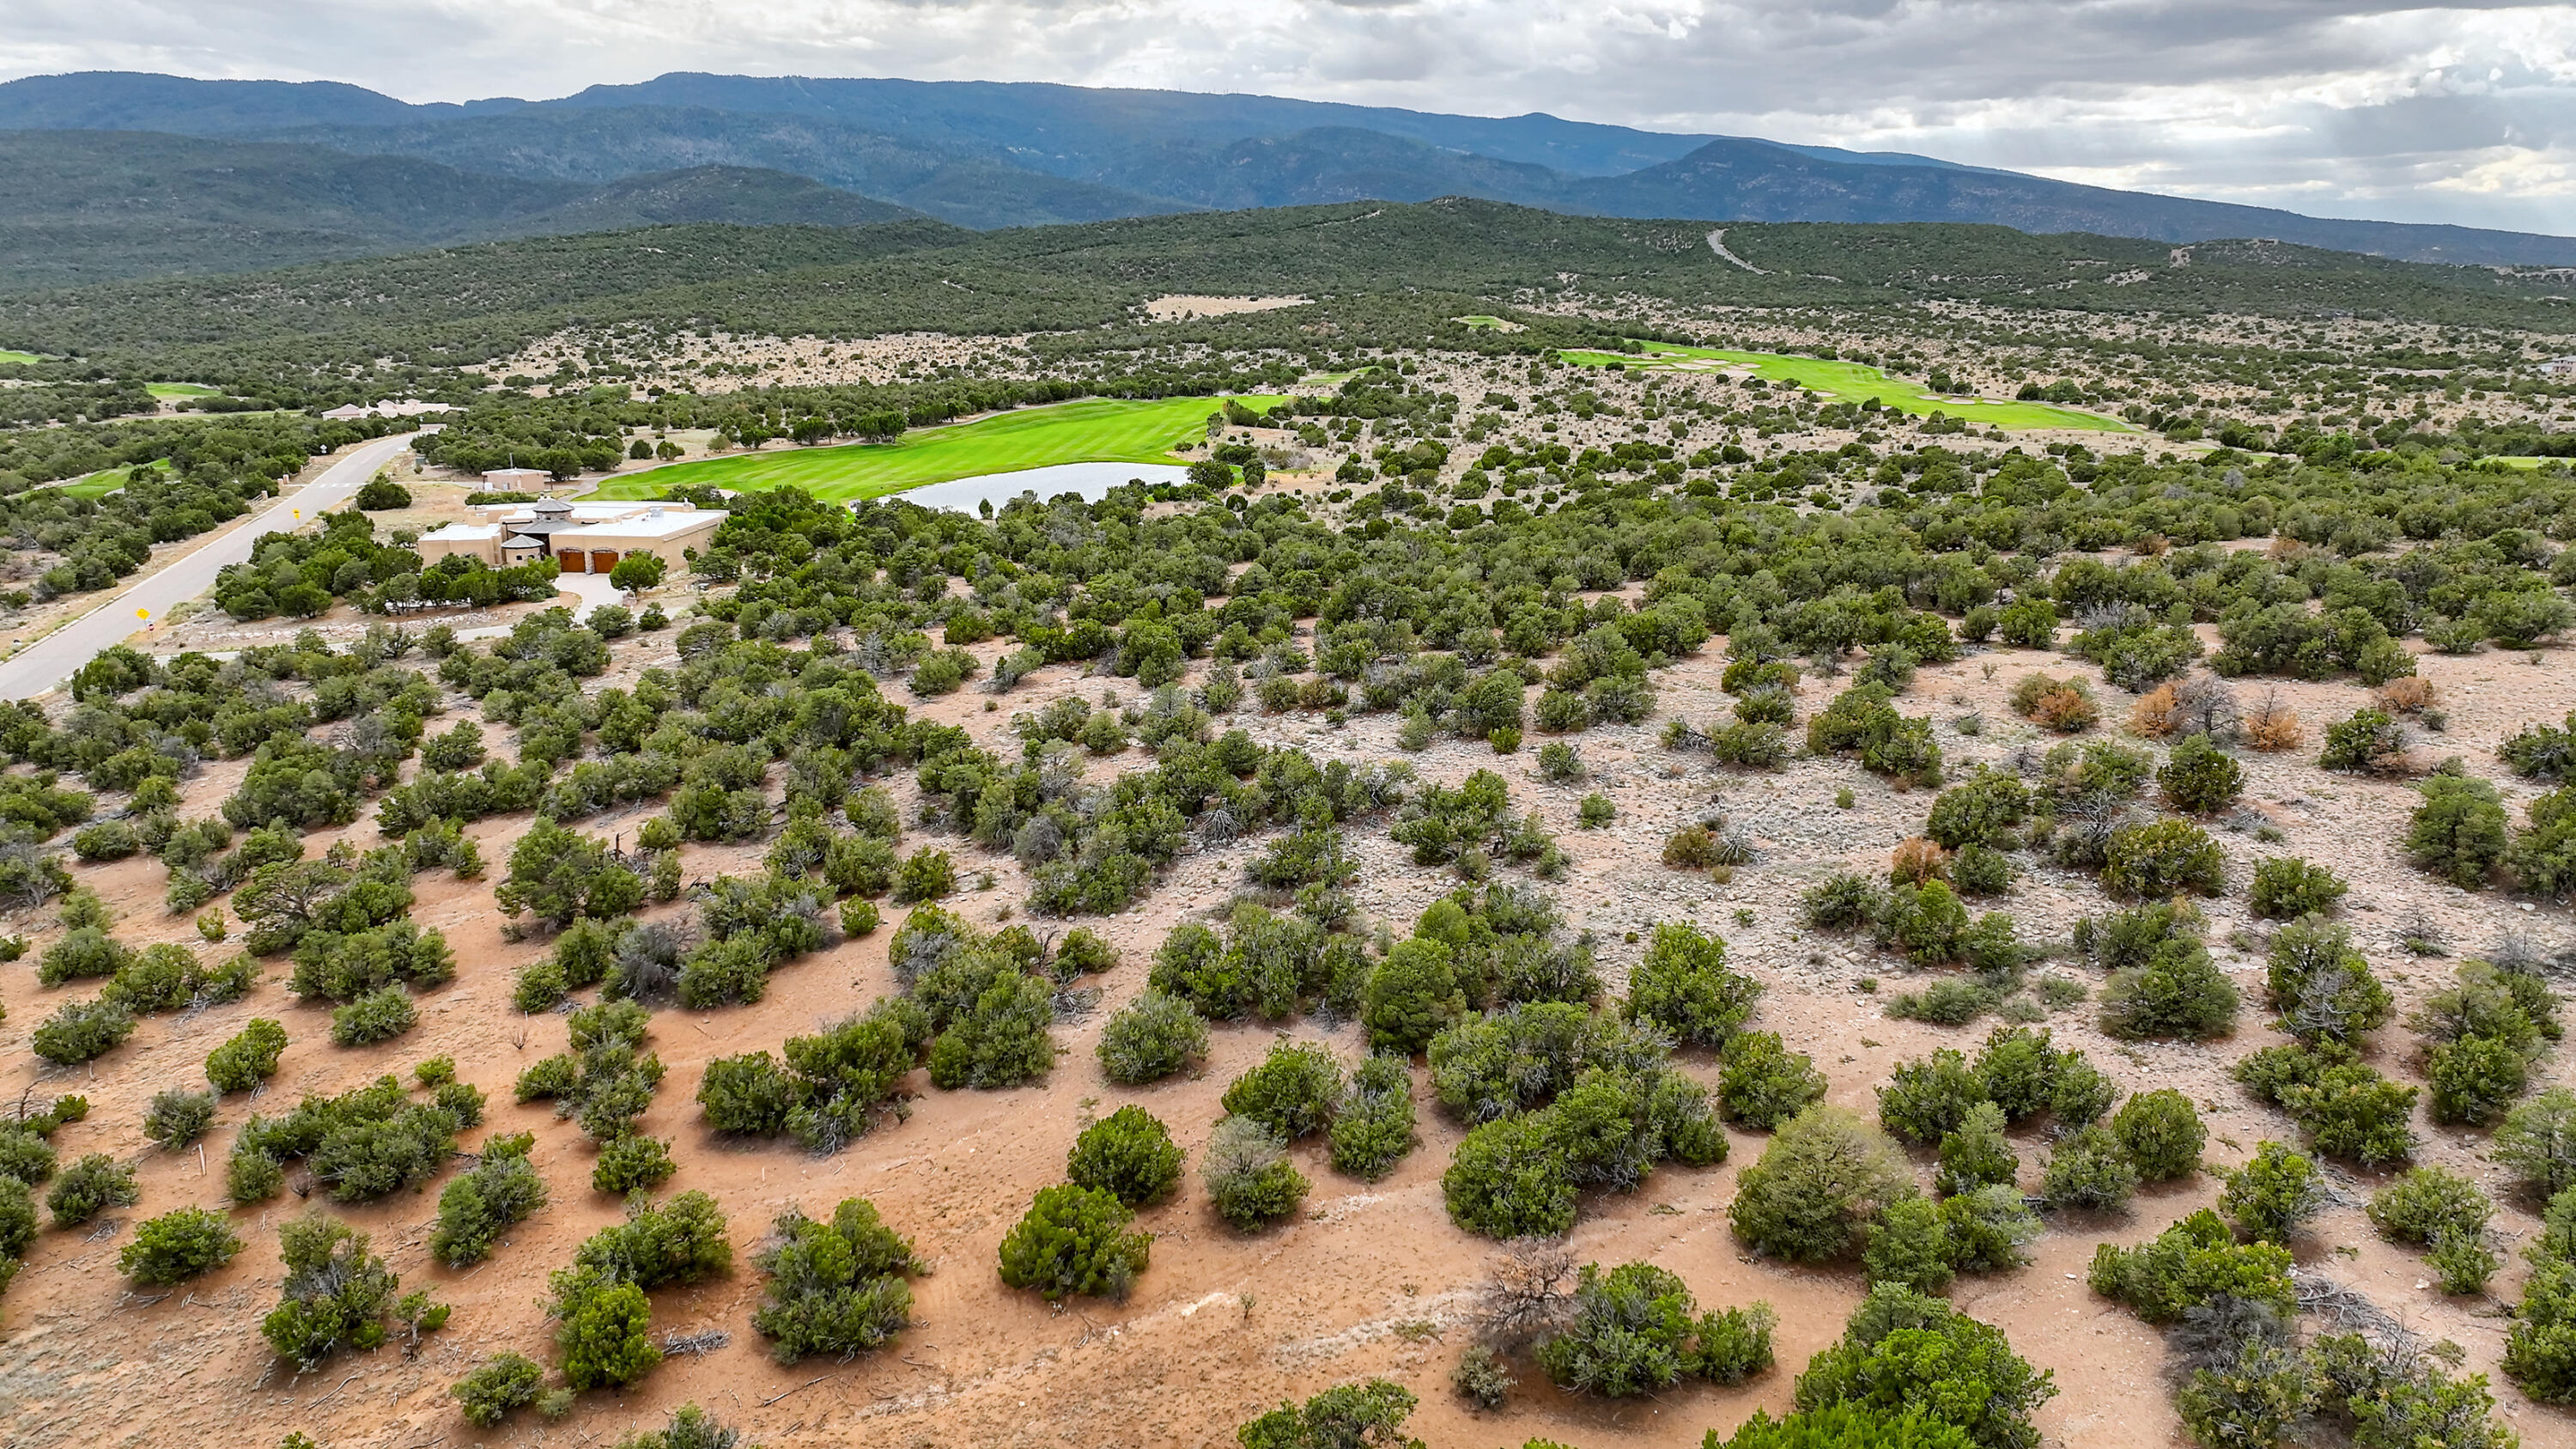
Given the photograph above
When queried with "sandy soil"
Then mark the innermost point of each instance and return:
(1182, 308)
(1374, 1280)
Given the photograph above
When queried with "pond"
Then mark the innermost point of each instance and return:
(1092, 480)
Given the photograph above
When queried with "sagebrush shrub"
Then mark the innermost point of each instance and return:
(1153, 1037)
(2460, 833)
(2190, 1263)
(175, 1119)
(632, 1162)
(2427, 1203)
(2088, 1170)
(89, 1187)
(838, 1287)
(499, 1384)
(1293, 1092)
(2199, 778)
(1374, 1128)
(2166, 858)
(1248, 1176)
(1904, 1347)
(2272, 1195)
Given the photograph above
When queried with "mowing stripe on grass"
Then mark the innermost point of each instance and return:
(1849, 381)
(1093, 430)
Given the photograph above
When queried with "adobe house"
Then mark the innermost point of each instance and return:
(582, 538)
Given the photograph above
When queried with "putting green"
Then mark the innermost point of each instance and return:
(1852, 382)
(1094, 430)
(94, 485)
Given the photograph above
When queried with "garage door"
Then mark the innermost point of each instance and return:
(602, 560)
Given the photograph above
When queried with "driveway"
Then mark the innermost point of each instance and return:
(49, 661)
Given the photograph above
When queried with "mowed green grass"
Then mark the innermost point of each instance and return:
(1094, 430)
(8, 356)
(1853, 382)
(181, 389)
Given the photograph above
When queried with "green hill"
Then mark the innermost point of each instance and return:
(83, 206)
(1400, 273)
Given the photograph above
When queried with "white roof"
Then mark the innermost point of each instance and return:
(602, 512)
(667, 525)
(514, 473)
(462, 533)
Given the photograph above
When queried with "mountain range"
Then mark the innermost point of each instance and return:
(110, 174)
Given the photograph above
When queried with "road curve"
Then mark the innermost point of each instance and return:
(49, 661)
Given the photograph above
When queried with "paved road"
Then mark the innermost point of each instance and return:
(51, 660)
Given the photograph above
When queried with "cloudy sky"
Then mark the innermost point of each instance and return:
(2463, 113)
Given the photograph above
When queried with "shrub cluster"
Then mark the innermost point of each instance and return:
(1905, 1349)
(1151, 1038)
(2348, 1108)
(502, 1188)
(361, 1145)
(1248, 1176)
(833, 1087)
(603, 1318)
(2444, 1212)
(839, 1287)
(1637, 1329)
(248, 1058)
(177, 1246)
(1761, 1083)
(2481, 1034)
(607, 1080)
(338, 1296)
(1560, 1098)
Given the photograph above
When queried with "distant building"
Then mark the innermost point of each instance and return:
(516, 480)
(2559, 367)
(582, 538)
(399, 408)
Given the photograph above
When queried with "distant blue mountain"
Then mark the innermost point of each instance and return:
(992, 154)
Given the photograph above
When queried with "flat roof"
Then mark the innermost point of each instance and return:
(462, 533)
(669, 525)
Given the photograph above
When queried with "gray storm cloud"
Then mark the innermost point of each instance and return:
(2461, 113)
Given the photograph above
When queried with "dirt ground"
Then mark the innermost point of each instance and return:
(1374, 1280)
(1179, 308)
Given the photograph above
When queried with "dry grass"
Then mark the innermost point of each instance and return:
(1918, 860)
(2409, 695)
(2273, 726)
(2156, 714)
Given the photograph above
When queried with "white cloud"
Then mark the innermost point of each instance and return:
(2463, 113)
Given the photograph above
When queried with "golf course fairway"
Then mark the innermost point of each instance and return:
(1841, 381)
(1093, 430)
